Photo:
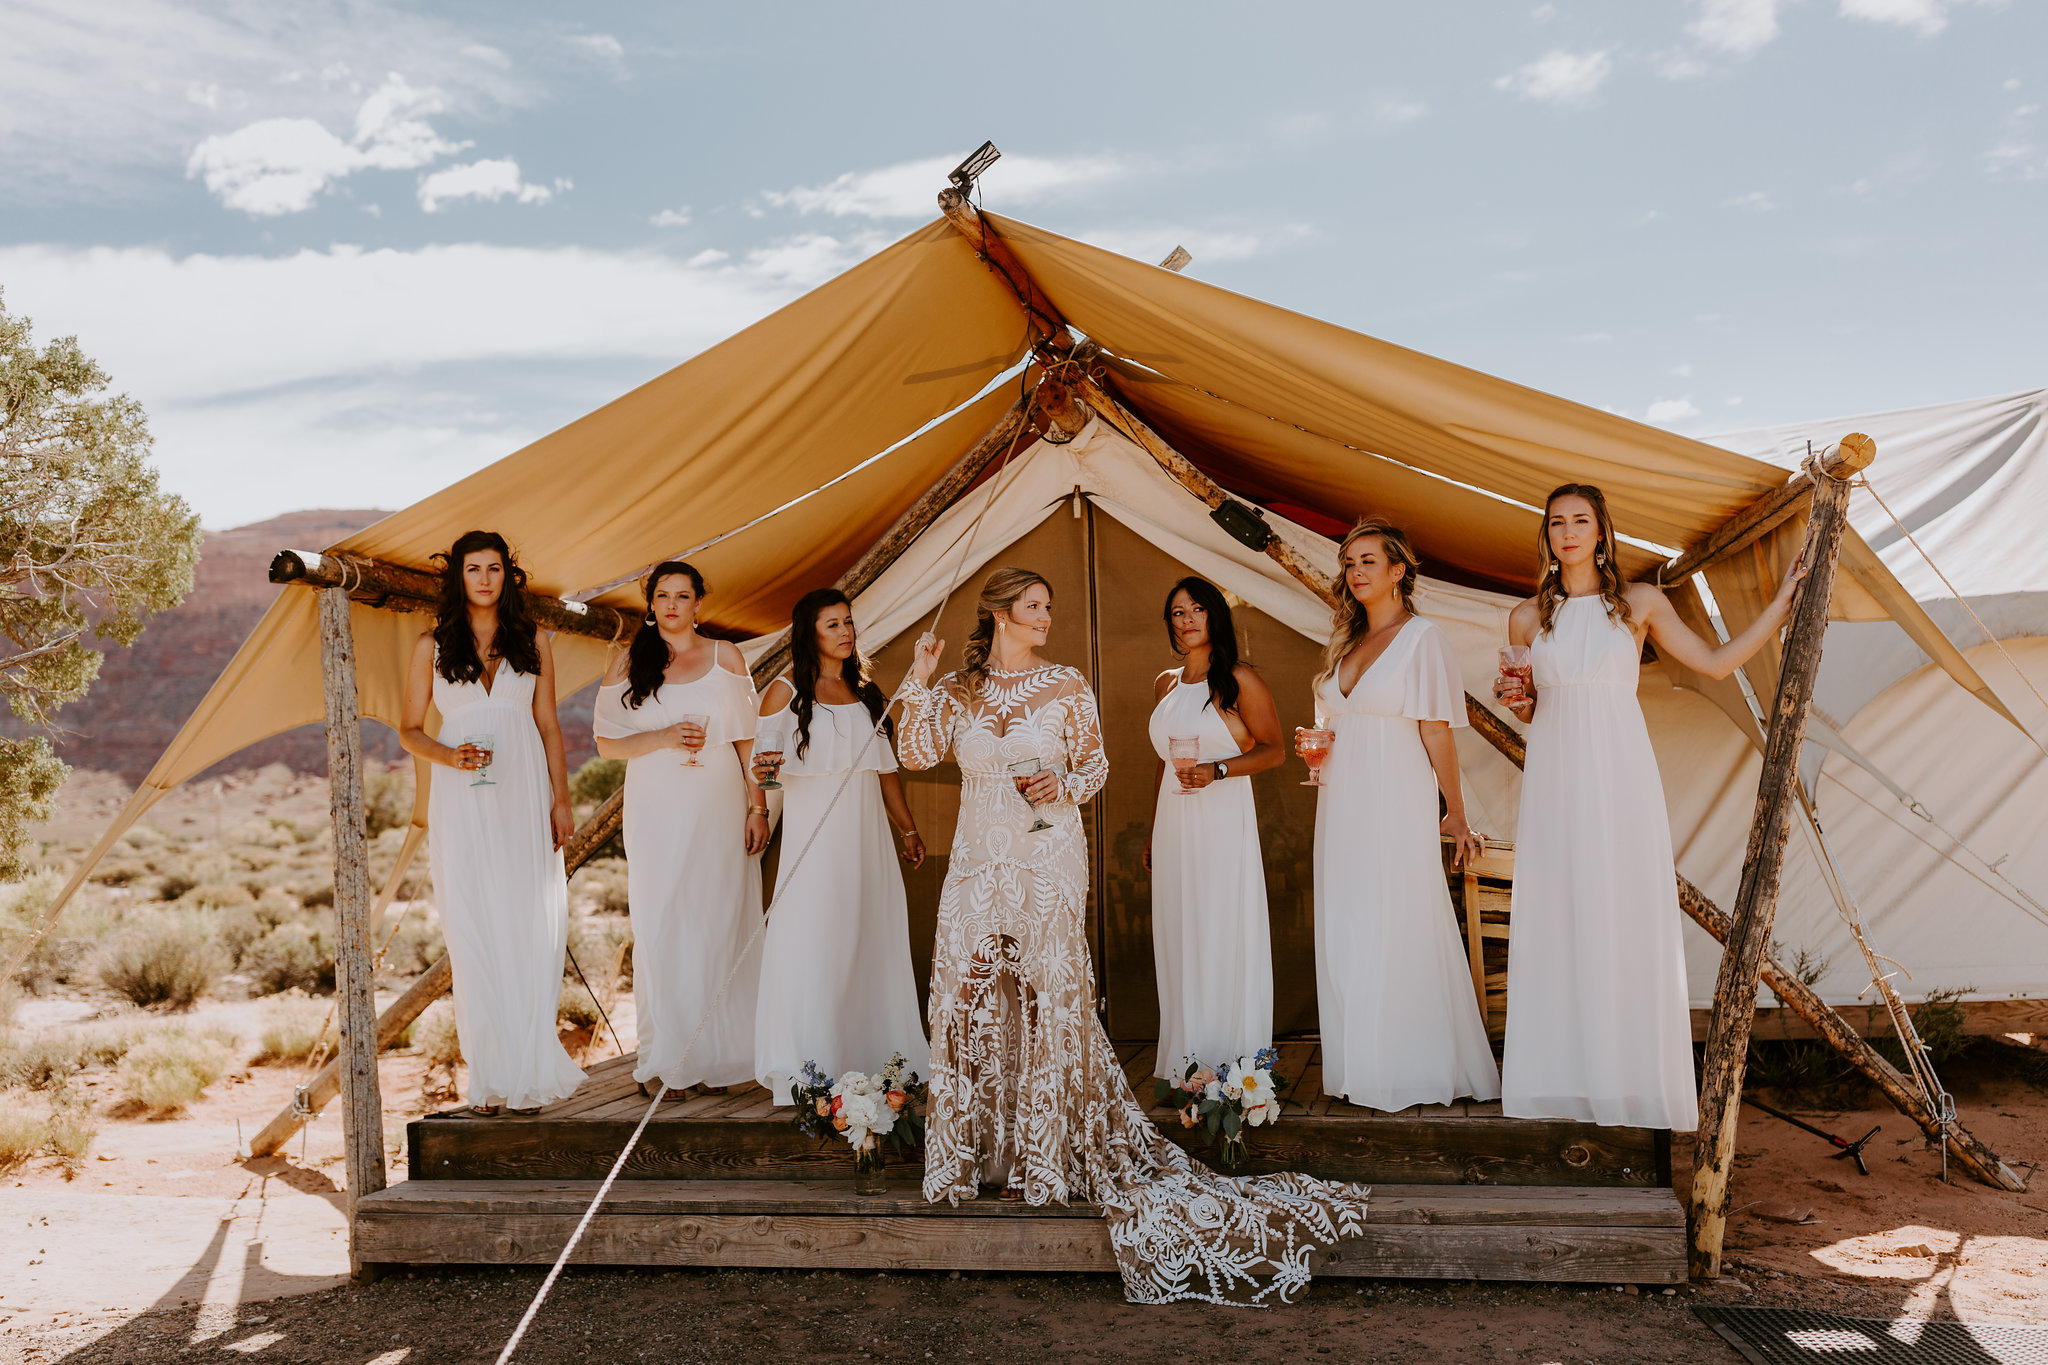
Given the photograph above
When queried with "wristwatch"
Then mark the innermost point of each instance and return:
(1222, 770)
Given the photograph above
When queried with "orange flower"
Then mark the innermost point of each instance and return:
(1187, 1117)
(824, 1107)
(897, 1099)
(839, 1122)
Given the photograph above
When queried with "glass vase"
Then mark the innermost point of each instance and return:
(868, 1174)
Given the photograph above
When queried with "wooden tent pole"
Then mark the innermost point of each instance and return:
(395, 587)
(362, 1109)
(1970, 1153)
(1756, 903)
(1755, 521)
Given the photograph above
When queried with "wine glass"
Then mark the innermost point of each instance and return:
(703, 724)
(1515, 664)
(1023, 771)
(489, 745)
(1313, 744)
(769, 742)
(1184, 750)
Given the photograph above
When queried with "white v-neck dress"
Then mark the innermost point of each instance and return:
(695, 894)
(1400, 1025)
(836, 983)
(1211, 945)
(503, 899)
(1598, 1024)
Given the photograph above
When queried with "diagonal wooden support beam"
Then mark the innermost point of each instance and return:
(398, 588)
(1757, 520)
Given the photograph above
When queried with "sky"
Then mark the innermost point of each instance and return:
(346, 253)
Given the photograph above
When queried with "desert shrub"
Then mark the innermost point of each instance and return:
(387, 801)
(145, 837)
(600, 884)
(236, 929)
(69, 1132)
(295, 1026)
(171, 1068)
(23, 1131)
(52, 1058)
(119, 871)
(435, 1038)
(1939, 1020)
(576, 1009)
(216, 896)
(173, 886)
(294, 954)
(317, 897)
(593, 784)
(416, 946)
(161, 962)
(264, 833)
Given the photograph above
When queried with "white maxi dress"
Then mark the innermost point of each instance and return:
(1400, 1025)
(1211, 945)
(836, 983)
(503, 897)
(695, 894)
(1598, 1022)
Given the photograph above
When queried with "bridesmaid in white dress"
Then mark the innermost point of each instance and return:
(836, 983)
(693, 831)
(1211, 944)
(497, 836)
(1598, 1028)
(1400, 1025)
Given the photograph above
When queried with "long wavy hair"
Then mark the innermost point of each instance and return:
(1550, 580)
(454, 642)
(999, 592)
(1348, 624)
(1222, 637)
(648, 656)
(807, 663)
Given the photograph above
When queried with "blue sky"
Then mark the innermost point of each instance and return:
(346, 253)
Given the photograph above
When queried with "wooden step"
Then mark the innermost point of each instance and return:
(1428, 1231)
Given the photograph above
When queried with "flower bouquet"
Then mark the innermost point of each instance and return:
(867, 1110)
(1227, 1100)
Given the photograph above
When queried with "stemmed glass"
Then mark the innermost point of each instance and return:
(1022, 772)
(769, 741)
(1184, 750)
(1313, 744)
(489, 745)
(703, 724)
(1518, 668)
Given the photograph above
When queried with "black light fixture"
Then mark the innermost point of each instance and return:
(967, 172)
(1246, 525)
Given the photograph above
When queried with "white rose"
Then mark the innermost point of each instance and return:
(1213, 1090)
(1233, 1088)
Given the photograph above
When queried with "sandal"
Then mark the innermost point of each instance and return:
(485, 1111)
(713, 1089)
(527, 1113)
(650, 1089)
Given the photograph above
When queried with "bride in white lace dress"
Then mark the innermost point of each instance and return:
(1026, 1092)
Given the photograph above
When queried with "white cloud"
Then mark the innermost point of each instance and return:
(1734, 402)
(1756, 201)
(602, 46)
(1152, 244)
(490, 180)
(1682, 371)
(1926, 17)
(1559, 77)
(2015, 155)
(1738, 27)
(910, 189)
(709, 256)
(676, 217)
(403, 381)
(1666, 411)
(280, 165)
(1391, 111)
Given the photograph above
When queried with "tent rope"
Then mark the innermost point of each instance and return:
(783, 879)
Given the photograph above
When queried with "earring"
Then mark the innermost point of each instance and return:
(1553, 566)
(1599, 556)
(650, 618)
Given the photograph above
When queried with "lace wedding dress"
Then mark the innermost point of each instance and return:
(1026, 1092)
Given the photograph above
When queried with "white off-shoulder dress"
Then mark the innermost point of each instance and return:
(503, 898)
(695, 893)
(1211, 945)
(1598, 1024)
(836, 982)
(1400, 1025)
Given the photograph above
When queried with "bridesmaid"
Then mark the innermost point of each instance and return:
(679, 708)
(1399, 1022)
(836, 983)
(1210, 941)
(1598, 1027)
(496, 851)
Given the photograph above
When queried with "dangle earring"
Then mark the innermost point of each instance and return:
(650, 618)
(1553, 567)
(1600, 556)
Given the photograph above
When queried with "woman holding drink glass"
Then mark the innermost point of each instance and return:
(1598, 1028)
(499, 822)
(1399, 1023)
(1215, 724)
(836, 983)
(679, 709)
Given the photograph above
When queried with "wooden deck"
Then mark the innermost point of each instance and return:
(1458, 1191)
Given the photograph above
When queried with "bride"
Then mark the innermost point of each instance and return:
(1026, 1092)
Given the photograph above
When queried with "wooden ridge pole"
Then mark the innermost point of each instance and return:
(397, 588)
(1753, 522)
(1756, 903)
(362, 1109)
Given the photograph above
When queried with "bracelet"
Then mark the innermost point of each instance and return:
(757, 810)
(907, 834)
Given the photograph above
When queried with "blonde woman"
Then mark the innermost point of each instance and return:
(1399, 1023)
(1026, 1093)
(1598, 1028)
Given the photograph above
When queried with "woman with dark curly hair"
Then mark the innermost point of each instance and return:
(499, 818)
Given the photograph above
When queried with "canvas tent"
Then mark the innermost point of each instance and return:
(861, 393)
